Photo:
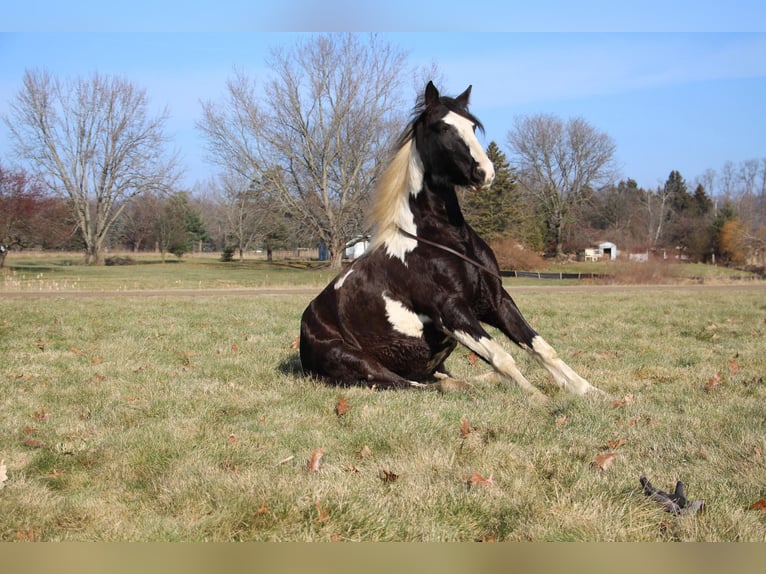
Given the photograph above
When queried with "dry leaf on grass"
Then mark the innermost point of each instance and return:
(322, 514)
(602, 462)
(41, 415)
(296, 344)
(626, 400)
(342, 406)
(759, 504)
(466, 428)
(476, 478)
(713, 382)
(313, 463)
(561, 421)
(363, 452)
(387, 475)
(614, 444)
(3, 473)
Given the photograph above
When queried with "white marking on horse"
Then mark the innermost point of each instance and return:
(464, 128)
(500, 359)
(562, 373)
(402, 319)
(342, 278)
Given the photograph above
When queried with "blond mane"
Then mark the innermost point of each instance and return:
(390, 204)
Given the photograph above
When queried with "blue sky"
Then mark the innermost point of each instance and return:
(678, 85)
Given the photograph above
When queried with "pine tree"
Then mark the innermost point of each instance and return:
(675, 190)
(495, 212)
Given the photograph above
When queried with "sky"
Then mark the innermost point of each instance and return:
(677, 85)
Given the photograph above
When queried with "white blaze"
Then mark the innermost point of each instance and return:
(464, 127)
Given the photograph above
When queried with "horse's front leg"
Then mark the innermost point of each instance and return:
(511, 322)
(468, 331)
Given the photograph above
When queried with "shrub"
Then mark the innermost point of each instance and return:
(513, 256)
(227, 255)
(119, 260)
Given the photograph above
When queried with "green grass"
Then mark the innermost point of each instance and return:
(65, 273)
(186, 418)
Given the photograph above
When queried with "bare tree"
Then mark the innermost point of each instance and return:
(96, 144)
(329, 116)
(558, 163)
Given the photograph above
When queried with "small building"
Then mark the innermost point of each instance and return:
(356, 247)
(605, 250)
(608, 250)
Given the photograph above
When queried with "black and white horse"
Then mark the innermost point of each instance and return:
(427, 281)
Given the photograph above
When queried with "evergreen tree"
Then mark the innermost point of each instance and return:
(701, 201)
(494, 212)
(675, 189)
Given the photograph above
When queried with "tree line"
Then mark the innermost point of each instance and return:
(298, 157)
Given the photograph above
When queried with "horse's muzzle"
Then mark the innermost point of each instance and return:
(482, 178)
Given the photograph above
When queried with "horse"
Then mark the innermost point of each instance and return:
(427, 281)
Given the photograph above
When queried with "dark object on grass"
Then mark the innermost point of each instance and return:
(675, 502)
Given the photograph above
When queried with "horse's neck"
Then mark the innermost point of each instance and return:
(437, 207)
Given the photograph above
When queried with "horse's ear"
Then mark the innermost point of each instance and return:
(463, 98)
(432, 94)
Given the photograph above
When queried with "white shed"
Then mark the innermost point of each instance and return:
(608, 249)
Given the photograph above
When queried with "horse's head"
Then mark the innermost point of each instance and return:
(446, 141)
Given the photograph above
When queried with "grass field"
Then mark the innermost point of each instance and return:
(170, 417)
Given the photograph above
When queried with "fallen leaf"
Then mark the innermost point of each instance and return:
(466, 428)
(95, 361)
(472, 358)
(615, 444)
(41, 415)
(342, 406)
(713, 382)
(476, 478)
(3, 473)
(99, 377)
(235, 347)
(55, 473)
(364, 452)
(233, 439)
(758, 505)
(603, 461)
(76, 351)
(387, 475)
(29, 430)
(264, 509)
(626, 400)
(26, 535)
(296, 344)
(322, 513)
(561, 421)
(33, 443)
(40, 344)
(313, 463)
(733, 367)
